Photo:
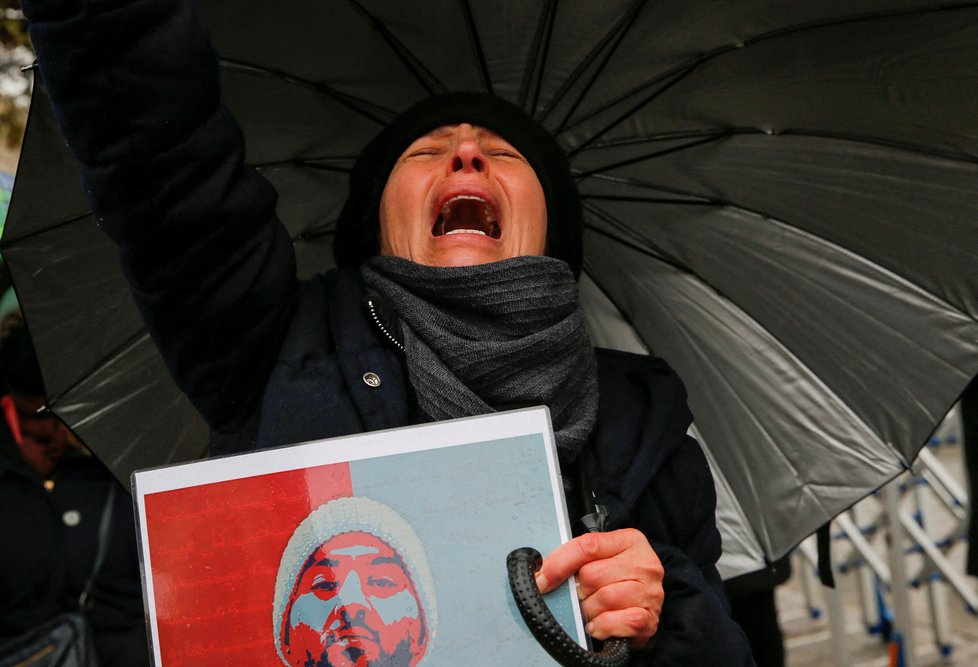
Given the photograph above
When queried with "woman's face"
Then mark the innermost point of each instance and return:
(462, 195)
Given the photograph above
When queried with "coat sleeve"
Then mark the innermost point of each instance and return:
(135, 91)
(696, 626)
(653, 477)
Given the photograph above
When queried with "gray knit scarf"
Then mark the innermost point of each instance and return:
(494, 337)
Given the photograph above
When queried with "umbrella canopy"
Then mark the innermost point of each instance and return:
(779, 199)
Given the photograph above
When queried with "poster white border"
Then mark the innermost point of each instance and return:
(358, 447)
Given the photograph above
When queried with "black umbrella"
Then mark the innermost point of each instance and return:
(780, 199)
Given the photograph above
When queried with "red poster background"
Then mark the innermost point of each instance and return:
(215, 552)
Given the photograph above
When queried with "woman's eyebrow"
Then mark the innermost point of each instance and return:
(440, 131)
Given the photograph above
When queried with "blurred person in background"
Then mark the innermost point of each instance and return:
(969, 434)
(753, 605)
(52, 496)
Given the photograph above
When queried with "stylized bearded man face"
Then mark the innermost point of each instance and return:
(354, 605)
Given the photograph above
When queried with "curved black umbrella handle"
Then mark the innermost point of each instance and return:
(522, 564)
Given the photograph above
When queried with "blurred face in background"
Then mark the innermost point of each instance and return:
(44, 438)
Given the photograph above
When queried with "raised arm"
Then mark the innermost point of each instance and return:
(134, 84)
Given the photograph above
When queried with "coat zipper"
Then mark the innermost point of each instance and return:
(383, 329)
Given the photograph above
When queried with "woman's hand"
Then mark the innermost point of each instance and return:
(619, 580)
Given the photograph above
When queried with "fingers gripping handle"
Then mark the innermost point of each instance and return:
(522, 564)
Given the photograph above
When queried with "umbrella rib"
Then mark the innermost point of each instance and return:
(353, 103)
(909, 285)
(538, 62)
(640, 244)
(665, 259)
(615, 36)
(682, 70)
(641, 248)
(126, 345)
(676, 78)
(7, 239)
(855, 419)
(625, 316)
(424, 76)
(543, 62)
(310, 163)
(652, 200)
(636, 243)
(704, 139)
(687, 197)
(477, 45)
(850, 18)
(875, 141)
(700, 138)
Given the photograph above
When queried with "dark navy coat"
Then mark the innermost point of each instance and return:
(48, 538)
(642, 465)
(270, 360)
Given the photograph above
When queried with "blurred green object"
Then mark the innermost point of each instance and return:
(6, 187)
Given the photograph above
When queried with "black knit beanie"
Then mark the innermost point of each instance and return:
(357, 229)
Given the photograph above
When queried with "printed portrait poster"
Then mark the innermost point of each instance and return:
(387, 548)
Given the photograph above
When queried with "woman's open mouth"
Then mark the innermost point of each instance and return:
(466, 214)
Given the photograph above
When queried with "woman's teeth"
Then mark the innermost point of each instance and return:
(466, 214)
(466, 231)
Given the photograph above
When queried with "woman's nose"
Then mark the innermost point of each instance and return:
(468, 155)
